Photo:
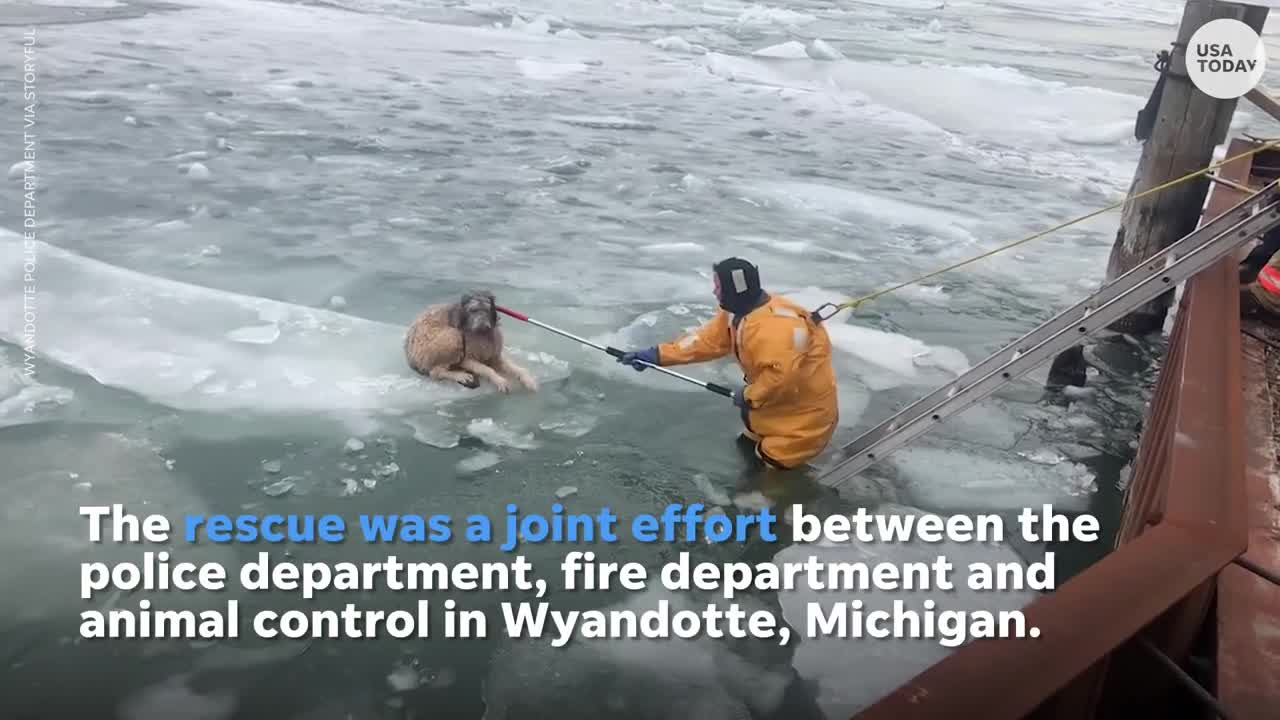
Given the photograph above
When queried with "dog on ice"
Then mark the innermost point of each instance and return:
(462, 342)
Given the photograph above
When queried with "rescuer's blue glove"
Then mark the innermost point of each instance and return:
(638, 358)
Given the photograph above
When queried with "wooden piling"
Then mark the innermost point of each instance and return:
(1189, 125)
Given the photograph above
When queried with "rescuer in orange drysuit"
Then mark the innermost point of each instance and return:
(789, 403)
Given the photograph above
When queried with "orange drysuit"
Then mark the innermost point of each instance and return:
(786, 360)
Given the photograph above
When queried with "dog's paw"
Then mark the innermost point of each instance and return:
(502, 385)
(529, 383)
(468, 380)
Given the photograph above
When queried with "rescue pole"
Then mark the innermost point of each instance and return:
(615, 352)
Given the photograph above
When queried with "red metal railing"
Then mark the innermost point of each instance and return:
(1185, 520)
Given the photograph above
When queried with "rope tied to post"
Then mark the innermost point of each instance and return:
(818, 315)
(1147, 115)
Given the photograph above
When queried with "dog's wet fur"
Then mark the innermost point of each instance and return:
(461, 342)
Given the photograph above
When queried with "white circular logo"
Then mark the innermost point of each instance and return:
(1226, 59)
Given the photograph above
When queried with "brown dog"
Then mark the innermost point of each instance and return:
(462, 342)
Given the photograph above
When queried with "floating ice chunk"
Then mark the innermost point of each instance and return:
(572, 426)
(901, 356)
(546, 70)
(31, 402)
(790, 50)
(350, 487)
(20, 168)
(1076, 392)
(693, 183)
(958, 481)
(989, 423)
(932, 294)
(480, 461)
(538, 26)
(337, 302)
(752, 501)
(1081, 422)
(566, 491)
(271, 467)
(673, 247)
(386, 470)
(1078, 452)
(675, 43)
(404, 678)
(405, 222)
(1116, 133)
(792, 247)
(931, 33)
(1043, 456)
(567, 166)
(214, 120)
(174, 698)
(713, 494)
(570, 34)
(168, 342)
(352, 446)
(847, 203)
(607, 122)
(255, 334)
(759, 15)
(281, 487)
(491, 433)
(820, 49)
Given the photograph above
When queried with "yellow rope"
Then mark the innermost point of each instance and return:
(857, 302)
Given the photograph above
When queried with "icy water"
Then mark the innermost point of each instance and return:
(245, 202)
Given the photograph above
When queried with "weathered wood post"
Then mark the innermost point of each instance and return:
(1188, 126)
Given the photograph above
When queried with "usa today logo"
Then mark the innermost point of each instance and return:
(1226, 59)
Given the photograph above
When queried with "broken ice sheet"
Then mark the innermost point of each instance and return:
(714, 495)
(256, 334)
(492, 433)
(480, 461)
(570, 426)
(404, 678)
(958, 480)
(281, 487)
(1043, 456)
(433, 430)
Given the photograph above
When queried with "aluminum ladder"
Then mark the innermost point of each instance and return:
(1159, 274)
